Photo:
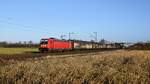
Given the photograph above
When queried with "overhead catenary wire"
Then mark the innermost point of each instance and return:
(3, 20)
(25, 27)
(28, 28)
(31, 28)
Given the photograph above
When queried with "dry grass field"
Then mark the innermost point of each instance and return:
(107, 67)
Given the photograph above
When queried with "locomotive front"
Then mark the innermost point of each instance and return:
(43, 45)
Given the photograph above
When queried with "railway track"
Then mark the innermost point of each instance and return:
(5, 58)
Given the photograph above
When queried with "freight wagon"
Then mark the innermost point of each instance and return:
(52, 44)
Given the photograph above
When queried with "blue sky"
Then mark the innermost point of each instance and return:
(114, 20)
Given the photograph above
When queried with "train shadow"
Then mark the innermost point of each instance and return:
(29, 52)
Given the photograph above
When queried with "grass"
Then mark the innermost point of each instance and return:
(16, 50)
(112, 67)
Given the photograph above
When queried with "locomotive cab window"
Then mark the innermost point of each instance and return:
(44, 41)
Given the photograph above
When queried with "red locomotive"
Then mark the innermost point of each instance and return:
(54, 44)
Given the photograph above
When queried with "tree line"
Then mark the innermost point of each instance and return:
(18, 44)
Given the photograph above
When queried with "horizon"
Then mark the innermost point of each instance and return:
(120, 21)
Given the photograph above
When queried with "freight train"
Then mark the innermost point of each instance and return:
(53, 44)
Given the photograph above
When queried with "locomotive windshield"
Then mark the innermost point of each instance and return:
(44, 41)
